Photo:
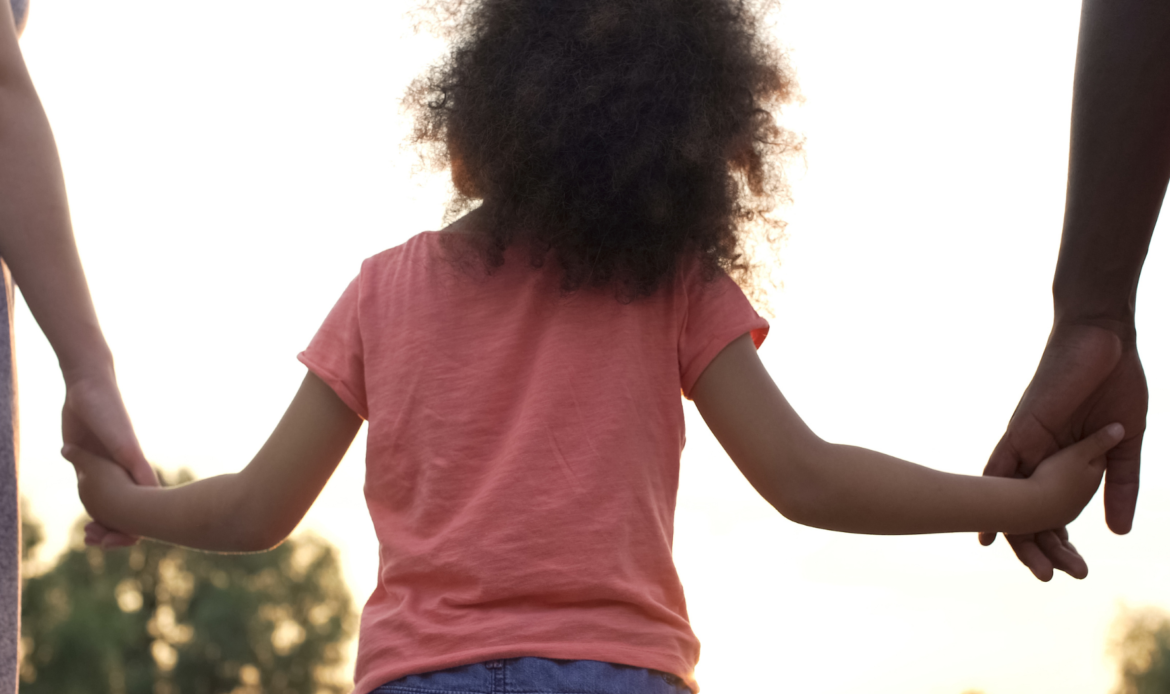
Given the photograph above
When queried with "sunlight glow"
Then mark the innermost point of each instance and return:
(228, 173)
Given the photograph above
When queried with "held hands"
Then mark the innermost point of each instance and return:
(1065, 482)
(94, 419)
(102, 485)
(1087, 378)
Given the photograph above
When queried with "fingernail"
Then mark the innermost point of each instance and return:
(1115, 429)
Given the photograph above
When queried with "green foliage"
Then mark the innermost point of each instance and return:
(32, 533)
(159, 619)
(1142, 646)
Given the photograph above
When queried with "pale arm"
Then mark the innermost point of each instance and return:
(252, 510)
(36, 241)
(856, 490)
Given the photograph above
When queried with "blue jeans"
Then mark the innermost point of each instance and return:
(538, 676)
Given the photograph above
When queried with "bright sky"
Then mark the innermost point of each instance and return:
(228, 171)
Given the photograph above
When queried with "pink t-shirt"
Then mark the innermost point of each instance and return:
(522, 460)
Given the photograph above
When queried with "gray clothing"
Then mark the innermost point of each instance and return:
(19, 13)
(9, 496)
(9, 499)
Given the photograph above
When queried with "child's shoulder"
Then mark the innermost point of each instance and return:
(421, 245)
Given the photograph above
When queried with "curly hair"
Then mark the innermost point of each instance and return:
(617, 137)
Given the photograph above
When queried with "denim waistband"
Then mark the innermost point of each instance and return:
(538, 676)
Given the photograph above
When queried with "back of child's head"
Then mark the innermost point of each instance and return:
(614, 137)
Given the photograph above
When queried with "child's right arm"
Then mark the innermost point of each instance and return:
(857, 490)
(251, 510)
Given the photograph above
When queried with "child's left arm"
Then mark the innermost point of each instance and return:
(254, 509)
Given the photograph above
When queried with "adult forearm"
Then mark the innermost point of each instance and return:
(856, 490)
(1119, 160)
(36, 236)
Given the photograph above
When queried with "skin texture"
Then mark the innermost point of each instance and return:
(1086, 378)
(36, 241)
(1090, 373)
(249, 511)
(856, 490)
(811, 482)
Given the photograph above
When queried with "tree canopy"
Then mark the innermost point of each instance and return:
(160, 619)
(1142, 647)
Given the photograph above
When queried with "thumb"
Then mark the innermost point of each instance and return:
(107, 429)
(78, 456)
(143, 474)
(83, 461)
(117, 435)
(1094, 447)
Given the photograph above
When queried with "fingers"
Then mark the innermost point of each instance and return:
(1092, 449)
(115, 540)
(1061, 553)
(986, 539)
(143, 474)
(1046, 552)
(112, 426)
(1003, 461)
(82, 459)
(79, 457)
(94, 534)
(1031, 556)
(97, 535)
(1121, 484)
(95, 418)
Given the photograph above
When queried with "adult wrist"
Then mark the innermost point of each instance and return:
(1114, 314)
(93, 362)
(1122, 327)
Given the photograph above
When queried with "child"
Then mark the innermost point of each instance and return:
(520, 370)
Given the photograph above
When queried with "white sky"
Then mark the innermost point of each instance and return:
(228, 171)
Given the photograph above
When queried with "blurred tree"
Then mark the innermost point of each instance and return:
(1141, 644)
(159, 619)
(32, 533)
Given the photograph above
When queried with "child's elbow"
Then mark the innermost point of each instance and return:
(274, 530)
(258, 530)
(798, 492)
(802, 505)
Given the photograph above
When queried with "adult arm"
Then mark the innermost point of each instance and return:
(254, 509)
(856, 490)
(36, 242)
(1119, 164)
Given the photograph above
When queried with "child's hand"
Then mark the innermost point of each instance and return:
(1068, 479)
(95, 419)
(102, 486)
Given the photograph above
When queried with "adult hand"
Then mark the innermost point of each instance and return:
(95, 419)
(1088, 377)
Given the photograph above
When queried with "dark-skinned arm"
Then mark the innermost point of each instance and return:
(1119, 164)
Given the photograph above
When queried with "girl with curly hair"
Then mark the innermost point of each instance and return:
(521, 369)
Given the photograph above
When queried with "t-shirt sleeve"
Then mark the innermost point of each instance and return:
(335, 353)
(717, 312)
